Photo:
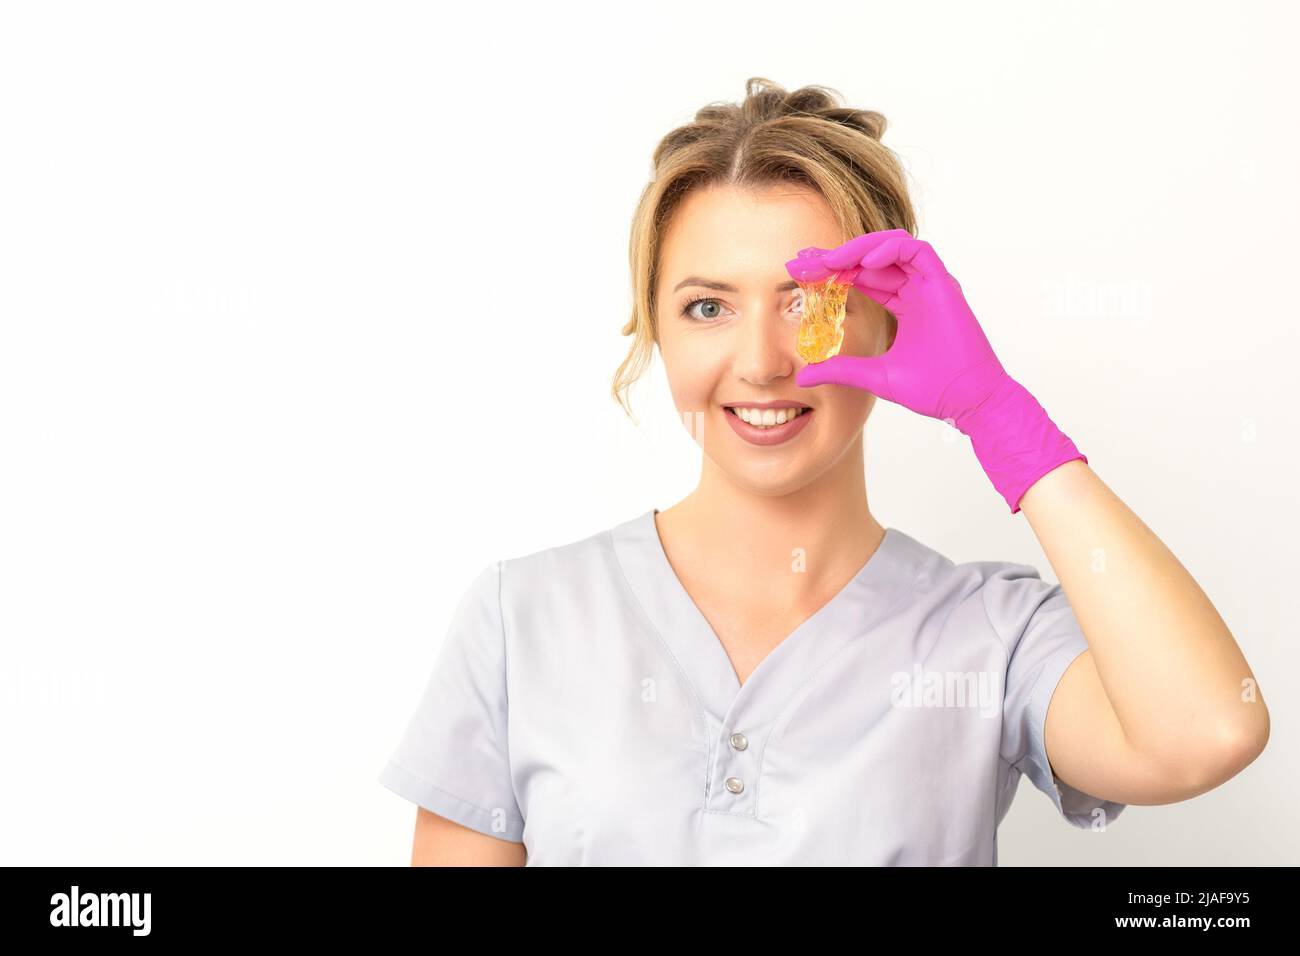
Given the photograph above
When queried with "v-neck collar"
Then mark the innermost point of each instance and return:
(882, 582)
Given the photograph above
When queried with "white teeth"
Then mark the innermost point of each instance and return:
(768, 417)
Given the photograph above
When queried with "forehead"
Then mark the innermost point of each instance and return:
(729, 233)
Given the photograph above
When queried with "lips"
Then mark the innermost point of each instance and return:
(772, 435)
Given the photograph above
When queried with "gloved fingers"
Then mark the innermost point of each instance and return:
(916, 257)
(867, 372)
(887, 298)
(894, 247)
(853, 252)
(889, 279)
(815, 264)
(873, 282)
(808, 266)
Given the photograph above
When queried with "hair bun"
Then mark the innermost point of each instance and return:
(768, 99)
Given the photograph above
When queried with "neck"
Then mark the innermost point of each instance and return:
(754, 541)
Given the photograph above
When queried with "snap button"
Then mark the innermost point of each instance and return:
(738, 741)
(735, 784)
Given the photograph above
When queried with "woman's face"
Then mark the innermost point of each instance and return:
(737, 346)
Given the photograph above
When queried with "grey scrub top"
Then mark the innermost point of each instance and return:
(582, 704)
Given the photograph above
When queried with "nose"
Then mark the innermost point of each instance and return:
(764, 348)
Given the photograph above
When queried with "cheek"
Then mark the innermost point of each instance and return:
(692, 371)
(846, 409)
(868, 330)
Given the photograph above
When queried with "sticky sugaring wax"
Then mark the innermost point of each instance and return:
(821, 328)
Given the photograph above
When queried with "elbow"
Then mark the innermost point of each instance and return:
(1249, 742)
(1230, 751)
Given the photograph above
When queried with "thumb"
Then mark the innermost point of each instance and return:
(860, 371)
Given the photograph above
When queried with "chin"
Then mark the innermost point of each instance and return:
(774, 478)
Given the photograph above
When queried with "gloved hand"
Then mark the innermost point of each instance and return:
(941, 364)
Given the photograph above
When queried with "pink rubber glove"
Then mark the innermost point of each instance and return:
(941, 364)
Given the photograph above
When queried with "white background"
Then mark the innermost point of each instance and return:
(256, 441)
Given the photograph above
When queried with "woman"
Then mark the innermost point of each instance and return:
(762, 673)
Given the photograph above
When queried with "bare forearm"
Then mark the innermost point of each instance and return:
(1175, 677)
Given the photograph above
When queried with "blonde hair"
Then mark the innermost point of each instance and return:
(806, 136)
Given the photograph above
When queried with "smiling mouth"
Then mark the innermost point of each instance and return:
(767, 417)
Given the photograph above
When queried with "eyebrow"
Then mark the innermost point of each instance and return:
(725, 287)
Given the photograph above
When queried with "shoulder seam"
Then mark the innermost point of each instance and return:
(1033, 572)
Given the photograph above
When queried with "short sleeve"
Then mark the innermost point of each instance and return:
(453, 757)
(1043, 637)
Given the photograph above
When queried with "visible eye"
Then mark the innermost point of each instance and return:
(686, 309)
(796, 307)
